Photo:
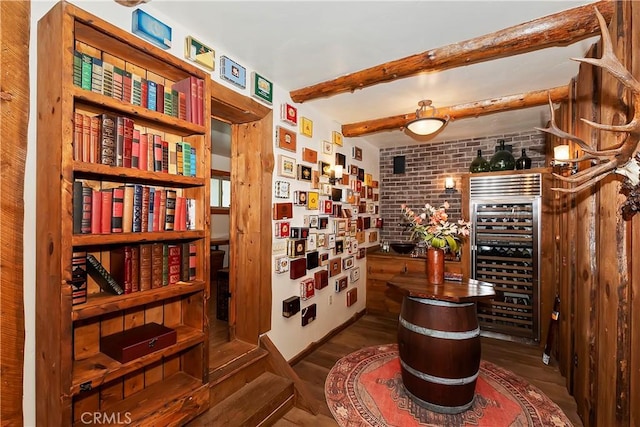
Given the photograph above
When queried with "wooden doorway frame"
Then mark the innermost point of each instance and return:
(250, 213)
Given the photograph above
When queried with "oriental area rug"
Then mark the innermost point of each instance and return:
(365, 388)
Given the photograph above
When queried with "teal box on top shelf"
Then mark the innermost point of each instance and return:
(150, 29)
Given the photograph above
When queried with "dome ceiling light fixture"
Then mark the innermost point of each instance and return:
(425, 124)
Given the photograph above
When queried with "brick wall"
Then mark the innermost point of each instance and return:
(427, 165)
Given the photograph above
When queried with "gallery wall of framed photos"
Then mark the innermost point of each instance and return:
(326, 215)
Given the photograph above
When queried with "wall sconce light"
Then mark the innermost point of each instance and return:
(424, 124)
(561, 158)
(449, 185)
(560, 154)
(336, 175)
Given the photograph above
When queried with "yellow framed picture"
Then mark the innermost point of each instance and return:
(306, 126)
(336, 138)
(313, 200)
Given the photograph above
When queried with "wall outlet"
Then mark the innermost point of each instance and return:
(330, 299)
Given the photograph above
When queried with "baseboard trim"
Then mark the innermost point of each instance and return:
(314, 345)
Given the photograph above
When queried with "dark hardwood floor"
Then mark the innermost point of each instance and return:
(524, 360)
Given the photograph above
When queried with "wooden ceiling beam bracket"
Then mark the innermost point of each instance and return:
(560, 29)
(460, 111)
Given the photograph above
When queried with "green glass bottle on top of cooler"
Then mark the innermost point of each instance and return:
(479, 164)
(524, 162)
(503, 160)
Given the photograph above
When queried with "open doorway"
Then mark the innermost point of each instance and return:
(220, 219)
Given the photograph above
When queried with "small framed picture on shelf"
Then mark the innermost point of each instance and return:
(324, 168)
(261, 88)
(306, 126)
(336, 138)
(286, 166)
(282, 264)
(348, 263)
(327, 147)
(356, 153)
(289, 114)
(286, 139)
(304, 172)
(282, 189)
(233, 72)
(199, 53)
(309, 155)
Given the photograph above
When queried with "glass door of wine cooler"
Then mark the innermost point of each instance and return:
(505, 253)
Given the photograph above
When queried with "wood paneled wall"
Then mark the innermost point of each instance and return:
(14, 116)
(598, 281)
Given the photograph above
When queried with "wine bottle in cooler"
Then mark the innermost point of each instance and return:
(553, 327)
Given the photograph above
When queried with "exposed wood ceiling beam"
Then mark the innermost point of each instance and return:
(560, 29)
(460, 111)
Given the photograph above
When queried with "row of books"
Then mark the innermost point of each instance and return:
(182, 99)
(130, 208)
(133, 268)
(114, 140)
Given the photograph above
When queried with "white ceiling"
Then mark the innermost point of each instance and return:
(300, 43)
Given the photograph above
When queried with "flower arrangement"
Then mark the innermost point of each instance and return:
(433, 227)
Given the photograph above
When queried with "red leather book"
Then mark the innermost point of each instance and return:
(144, 152)
(120, 264)
(96, 212)
(200, 101)
(107, 207)
(128, 143)
(159, 98)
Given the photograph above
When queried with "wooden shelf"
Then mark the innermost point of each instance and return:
(144, 237)
(103, 303)
(100, 368)
(154, 406)
(104, 172)
(173, 388)
(136, 112)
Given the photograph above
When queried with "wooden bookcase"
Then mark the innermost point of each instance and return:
(75, 380)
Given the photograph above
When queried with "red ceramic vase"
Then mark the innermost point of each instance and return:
(435, 266)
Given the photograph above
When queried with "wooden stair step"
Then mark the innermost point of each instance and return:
(260, 402)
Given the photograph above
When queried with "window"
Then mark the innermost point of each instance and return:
(220, 191)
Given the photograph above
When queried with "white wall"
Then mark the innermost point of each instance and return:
(287, 334)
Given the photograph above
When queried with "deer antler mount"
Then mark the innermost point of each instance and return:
(622, 159)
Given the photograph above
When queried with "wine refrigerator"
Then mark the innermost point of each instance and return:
(505, 251)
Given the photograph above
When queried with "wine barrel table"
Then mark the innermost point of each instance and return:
(439, 340)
